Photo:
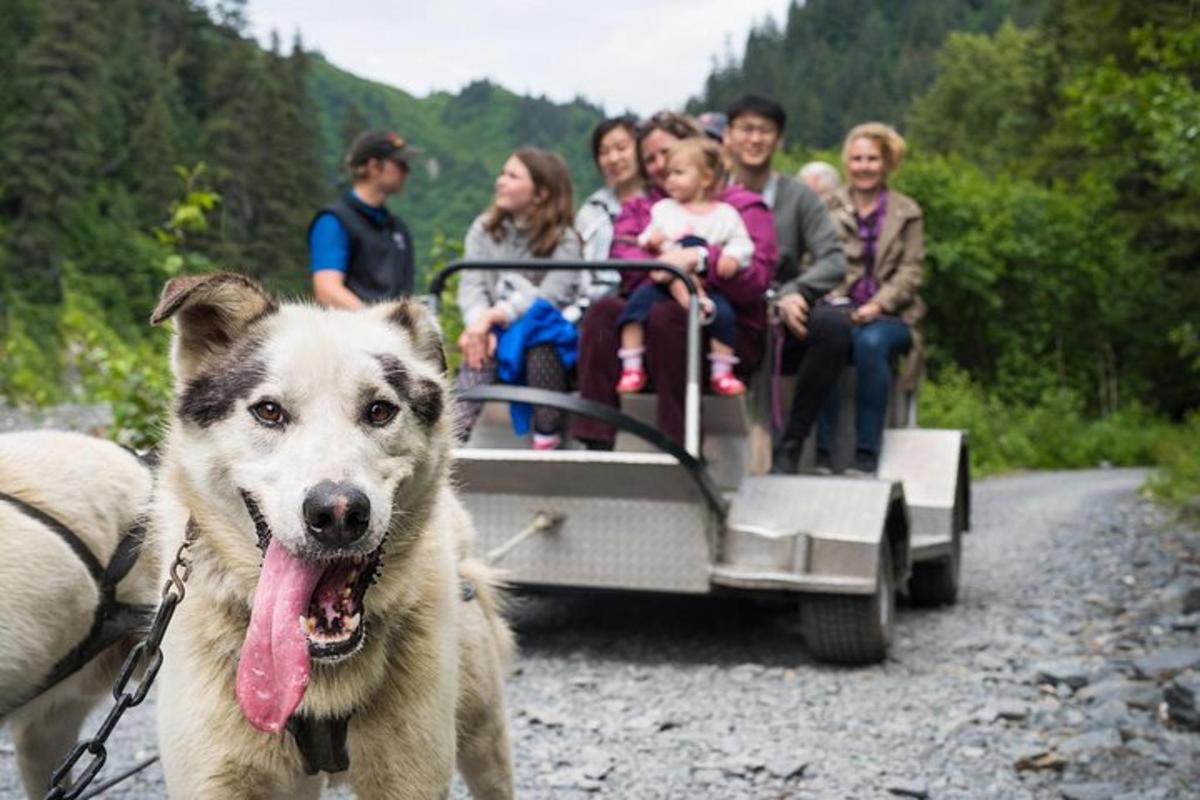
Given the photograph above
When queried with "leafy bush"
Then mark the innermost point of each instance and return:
(1177, 479)
(1054, 433)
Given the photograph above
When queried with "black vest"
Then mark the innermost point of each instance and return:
(381, 259)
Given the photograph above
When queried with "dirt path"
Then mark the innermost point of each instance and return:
(1069, 580)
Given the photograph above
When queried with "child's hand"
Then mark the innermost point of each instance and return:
(727, 267)
(655, 241)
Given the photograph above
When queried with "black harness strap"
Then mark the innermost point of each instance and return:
(113, 620)
(322, 743)
(66, 534)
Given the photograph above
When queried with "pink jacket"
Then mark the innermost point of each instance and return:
(745, 290)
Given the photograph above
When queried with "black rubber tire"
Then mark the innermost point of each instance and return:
(935, 583)
(854, 629)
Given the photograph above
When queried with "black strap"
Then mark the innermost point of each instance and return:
(112, 620)
(322, 743)
(609, 415)
(66, 534)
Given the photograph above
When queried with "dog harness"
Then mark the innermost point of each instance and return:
(112, 620)
(322, 742)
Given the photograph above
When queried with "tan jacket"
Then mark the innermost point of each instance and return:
(899, 254)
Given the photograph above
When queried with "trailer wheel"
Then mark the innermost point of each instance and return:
(854, 629)
(935, 582)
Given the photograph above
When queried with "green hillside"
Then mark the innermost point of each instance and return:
(465, 138)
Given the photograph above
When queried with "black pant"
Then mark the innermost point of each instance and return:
(817, 361)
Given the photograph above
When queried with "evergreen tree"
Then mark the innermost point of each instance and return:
(53, 143)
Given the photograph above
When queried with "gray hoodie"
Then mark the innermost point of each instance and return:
(514, 291)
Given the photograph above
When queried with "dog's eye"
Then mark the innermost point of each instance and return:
(269, 413)
(380, 413)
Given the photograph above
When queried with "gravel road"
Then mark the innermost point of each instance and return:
(1080, 607)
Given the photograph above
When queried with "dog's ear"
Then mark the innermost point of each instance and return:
(418, 321)
(211, 312)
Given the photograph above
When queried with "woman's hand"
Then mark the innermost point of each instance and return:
(867, 312)
(685, 258)
(477, 342)
(655, 241)
(793, 311)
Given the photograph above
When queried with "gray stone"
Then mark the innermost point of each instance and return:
(1069, 672)
(597, 763)
(1090, 791)
(1191, 600)
(786, 767)
(1165, 664)
(545, 717)
(917, 789)
(1105, 739)
(1011, 711)
(1182, 699)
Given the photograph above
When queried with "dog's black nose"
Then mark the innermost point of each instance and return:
(336, 514)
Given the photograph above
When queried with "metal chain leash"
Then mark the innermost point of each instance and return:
(147, 652)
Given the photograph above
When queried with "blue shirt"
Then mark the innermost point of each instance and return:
(329, 241)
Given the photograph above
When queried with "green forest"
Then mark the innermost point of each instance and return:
(1054, 149)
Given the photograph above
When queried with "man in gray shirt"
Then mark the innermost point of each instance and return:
(817, 337)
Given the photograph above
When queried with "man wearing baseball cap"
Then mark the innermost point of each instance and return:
(359, 251)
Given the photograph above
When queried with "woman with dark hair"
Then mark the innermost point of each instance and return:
(666, 328)
(513, 329)
(614, 150)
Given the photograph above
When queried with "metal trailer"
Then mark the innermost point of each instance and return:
(655, 516)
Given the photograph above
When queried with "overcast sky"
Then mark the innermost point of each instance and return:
(623, 54)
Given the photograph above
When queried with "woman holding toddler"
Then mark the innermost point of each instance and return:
(665, 326)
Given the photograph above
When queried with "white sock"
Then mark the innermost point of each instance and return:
(720, 364)
(546, 441)
(631, 357)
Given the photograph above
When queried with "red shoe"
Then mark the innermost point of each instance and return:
(632, 380)
(727, 385)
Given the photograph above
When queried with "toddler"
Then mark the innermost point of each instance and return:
(690, 216)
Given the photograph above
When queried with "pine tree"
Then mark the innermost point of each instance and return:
(53, 145)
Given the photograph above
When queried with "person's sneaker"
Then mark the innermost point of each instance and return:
(824, 463)
(632, 380)
(727, 385)
(865, 465)
(785, 458)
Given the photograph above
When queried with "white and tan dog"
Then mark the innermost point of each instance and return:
(310, 450)
(96, 491)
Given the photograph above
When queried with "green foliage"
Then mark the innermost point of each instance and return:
(444, 251)
(129, 373)
(989, 99)
(1177, 478)
(1054, 432)
(835, 63)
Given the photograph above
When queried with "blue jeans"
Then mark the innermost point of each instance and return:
(723, 326)
(876, 347)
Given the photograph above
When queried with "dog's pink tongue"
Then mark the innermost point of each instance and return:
(273, 667)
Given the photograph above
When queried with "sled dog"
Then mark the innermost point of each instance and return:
(67, 501)
(332, 629)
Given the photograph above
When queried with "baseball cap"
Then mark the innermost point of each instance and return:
(379, 144)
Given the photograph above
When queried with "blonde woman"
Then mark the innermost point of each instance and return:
(883, 235)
